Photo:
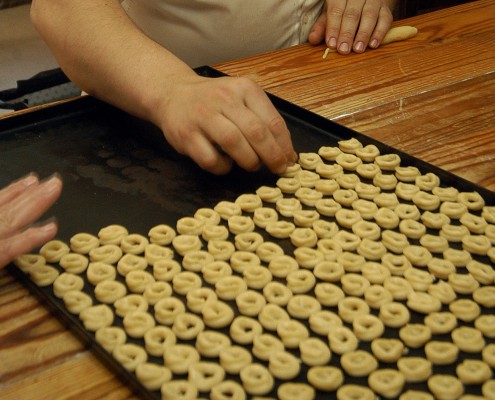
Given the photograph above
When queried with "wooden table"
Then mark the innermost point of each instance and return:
(432, 96)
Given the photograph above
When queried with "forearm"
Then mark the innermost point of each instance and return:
(105, 54)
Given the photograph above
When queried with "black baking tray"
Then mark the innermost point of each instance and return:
(118, 169)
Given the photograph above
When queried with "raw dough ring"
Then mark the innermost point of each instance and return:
(415, 369)
(211, 343)
(137, 323)
(283, 365)
(179, 357)
(358, 363)
(130, 355)
(386, 382)
(204, 375)
(325, 378)
(234, 358)
(67, 282)
(187, 326)
(256, 379)
(74, 263)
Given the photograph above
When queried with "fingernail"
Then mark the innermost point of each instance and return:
(53, 183)
(332, 43)
(374, 43)
(344, 48)
(30, 180)
(359, 47)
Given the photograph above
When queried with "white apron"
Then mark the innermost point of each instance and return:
(207, 32)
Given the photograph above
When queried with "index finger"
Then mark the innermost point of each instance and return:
(276, 150)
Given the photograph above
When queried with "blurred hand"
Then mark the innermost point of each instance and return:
(217, 121)
(352, 25)
(21, 204)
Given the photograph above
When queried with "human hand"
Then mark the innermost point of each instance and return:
(352, 25)
(21, 204)
(218, 121)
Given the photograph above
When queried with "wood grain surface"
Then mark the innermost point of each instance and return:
(432, 96)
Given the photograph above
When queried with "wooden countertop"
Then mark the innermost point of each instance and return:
(432, 96)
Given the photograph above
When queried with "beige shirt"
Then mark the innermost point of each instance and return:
(207, 32)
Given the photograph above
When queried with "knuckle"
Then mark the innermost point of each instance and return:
(352, 14)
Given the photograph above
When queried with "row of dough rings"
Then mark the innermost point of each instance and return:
(211, 343)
